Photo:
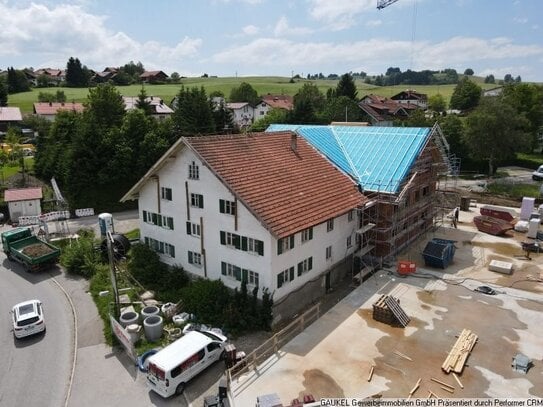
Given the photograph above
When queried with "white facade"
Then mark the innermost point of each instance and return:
(154, 198)
(31, 207)
(242, 113)
(261, 110)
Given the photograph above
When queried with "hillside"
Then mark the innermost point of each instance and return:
(262, 84)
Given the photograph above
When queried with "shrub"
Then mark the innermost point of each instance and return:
(80, 257)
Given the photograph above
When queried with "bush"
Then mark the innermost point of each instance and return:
(80, 257)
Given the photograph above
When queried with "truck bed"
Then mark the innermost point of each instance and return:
(34, 251)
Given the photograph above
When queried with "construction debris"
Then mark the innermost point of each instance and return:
(521, 363)
(371, 373)
(458, 380)
(398, 353)
(459, 353)
(443, 383)
(387, 309)
(414, 389)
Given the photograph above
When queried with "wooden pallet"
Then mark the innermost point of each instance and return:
(398, 311)
(460, 351)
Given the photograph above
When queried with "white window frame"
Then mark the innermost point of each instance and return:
(285, 244)
(229, 239)
(169, 250)
(306, 235)
(252, 246)
(195, 200)
(195, 230)
(194, 171)
(330, 225)
(196, 259)
(164, 193)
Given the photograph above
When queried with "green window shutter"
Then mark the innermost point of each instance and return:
(189, 228)
(310, 233)
(300, 269)
(234, 209)
(237, 273)
(237, 242)
(245, 275)
(146, 239)
(279, 246)
(159, 218)
(292, 241)
(223, 268)
(244, 243)
(201, 201)
(279, 280)
(170, 223)
(221, 205)
(291, 272)
(260, 247)
(310, 263)
(172, 251)
(145, 216)
(190, 257)
(154, 216)
(223, 237)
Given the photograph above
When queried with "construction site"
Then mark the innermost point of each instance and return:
(468, 325)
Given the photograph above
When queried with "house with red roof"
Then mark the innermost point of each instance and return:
(49, 110)
(9, 116)
(276, 214)
(23, 202)
(153, 77)
(382, 111)
(412, 97)
(269, 102)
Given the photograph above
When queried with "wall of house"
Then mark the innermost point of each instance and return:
(24, 208)
(243, 116)
(261, 110)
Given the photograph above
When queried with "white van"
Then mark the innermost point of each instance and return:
(172, 367)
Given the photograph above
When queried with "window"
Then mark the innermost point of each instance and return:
(328, 252)
(230, 270)
(231, 239)
(167, 222)
(228, 207)
(244, 243)
(195, 258)
(284, 277)
(252, 277)
(196, 200)
(330, 225)
(305, 266)
(254, 246)
(166, 193)
(349, 242)
(285, 244)
(169, 250)
(350, 216)
(307, 234)
(194, 171)
(193, 229)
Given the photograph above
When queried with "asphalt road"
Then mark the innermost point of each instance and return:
(36, 370)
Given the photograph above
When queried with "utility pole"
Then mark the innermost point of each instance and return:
(113, 276)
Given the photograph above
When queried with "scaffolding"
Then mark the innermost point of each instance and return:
(390, 222)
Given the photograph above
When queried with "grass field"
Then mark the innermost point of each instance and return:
(262, 84)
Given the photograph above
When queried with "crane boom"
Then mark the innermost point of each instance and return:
(384, 3)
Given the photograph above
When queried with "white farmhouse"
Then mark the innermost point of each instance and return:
(264, 207)
(242, 113)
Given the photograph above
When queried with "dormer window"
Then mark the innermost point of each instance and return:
(194, 171)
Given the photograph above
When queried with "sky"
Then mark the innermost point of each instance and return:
(240, 38)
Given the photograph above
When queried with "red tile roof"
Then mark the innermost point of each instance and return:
(22, 194)
(46, 108)
(279, 101)
(288, 191)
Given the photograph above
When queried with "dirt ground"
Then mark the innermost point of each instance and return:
(333, 356)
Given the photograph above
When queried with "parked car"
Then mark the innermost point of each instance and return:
(485, 290)
(28, 318)
(537, 175)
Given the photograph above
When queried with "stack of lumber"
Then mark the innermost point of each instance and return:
(459, 353)
(387, 309)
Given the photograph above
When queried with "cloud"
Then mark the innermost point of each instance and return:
(250, 30)
(373, 23)
(52, 35)
(339, 14)
(282, 29)
(520, 20)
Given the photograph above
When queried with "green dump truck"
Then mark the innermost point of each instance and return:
(33, 253)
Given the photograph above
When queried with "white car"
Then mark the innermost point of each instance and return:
(537, 175)
(28, 318)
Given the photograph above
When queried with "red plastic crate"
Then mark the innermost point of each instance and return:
(406, 267)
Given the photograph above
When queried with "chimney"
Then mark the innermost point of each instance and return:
(50, 103)
(294, 142)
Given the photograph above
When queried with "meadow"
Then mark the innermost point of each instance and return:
(262, 84)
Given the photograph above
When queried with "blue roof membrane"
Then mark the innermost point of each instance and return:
(379, 158)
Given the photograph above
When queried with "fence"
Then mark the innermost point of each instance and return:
(272, 345)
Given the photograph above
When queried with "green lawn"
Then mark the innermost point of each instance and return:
(262, 84)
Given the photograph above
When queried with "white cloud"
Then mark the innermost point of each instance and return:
(520, 20)
(282, 29)
(339, 14)
(373, 23)
(250, 30)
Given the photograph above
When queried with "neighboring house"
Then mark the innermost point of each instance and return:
(55, 76)
(268, 209)
(159, 109)
(23, 202)
(9, 116)
(153, 76)
(412, 97)
(497, 91)
(397, 170)
(242, 113)
(381, 111)
(49, 110)
(269, 102)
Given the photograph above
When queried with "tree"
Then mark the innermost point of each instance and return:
(309, 92)
(494, 132)
(16, 81)
(346, 87)
(174, 77)
(193, 114)
(75, 74)
(490, 79)
(105, 105)
(417, 118)
(303, 112)
(142, 102)
(469, 72)
(437, 103)
(466, 95)
(244, 93)
(340, 109)
(518, 79)
(453, 129)
(223, 118)
(527, 100)
(508, 78)
(3, 93)
(42, 81)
